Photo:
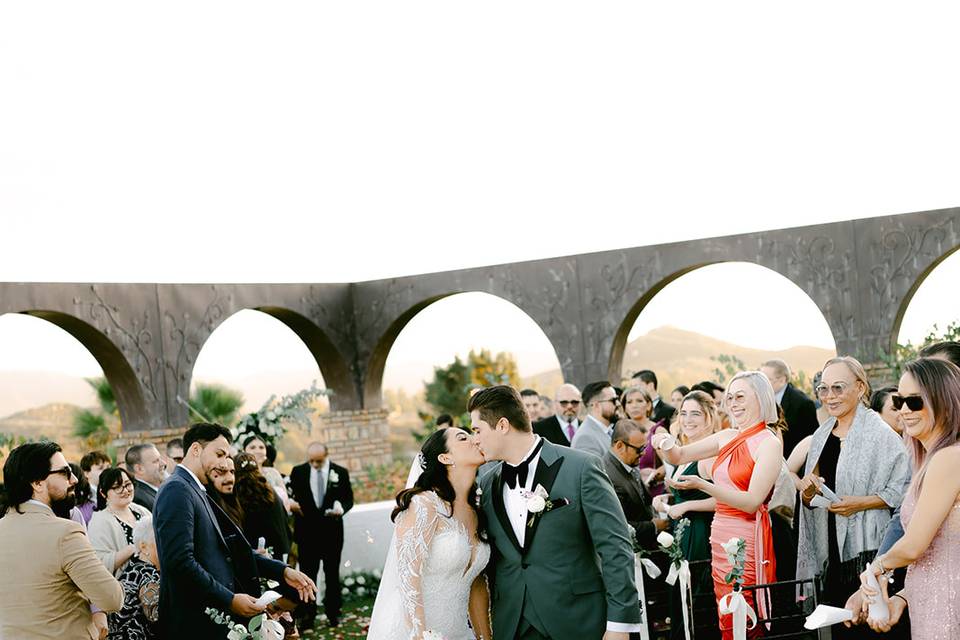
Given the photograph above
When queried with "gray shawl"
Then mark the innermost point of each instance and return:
(873, 461)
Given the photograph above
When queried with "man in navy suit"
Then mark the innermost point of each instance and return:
(197, 555)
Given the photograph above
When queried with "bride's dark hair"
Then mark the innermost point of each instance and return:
(434, 478)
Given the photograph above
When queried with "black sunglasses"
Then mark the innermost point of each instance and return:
(639, 449)
(566, 402)
(66, 472)
(914, 403)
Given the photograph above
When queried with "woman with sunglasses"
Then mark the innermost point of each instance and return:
(111, 527)
(858, 457)
(928, 402)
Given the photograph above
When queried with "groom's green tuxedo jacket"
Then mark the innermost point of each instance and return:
(574, 571)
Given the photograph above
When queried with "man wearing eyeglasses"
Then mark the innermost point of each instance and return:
(560, 428)
(620, 462)
(50, 572)
(594, 435)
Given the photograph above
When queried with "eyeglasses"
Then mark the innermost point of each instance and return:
(739, 398)
(66, 472)
(614, 401)
(914, 403)
(639, 449)
(836, 389)
(126, 487)
(569, 403)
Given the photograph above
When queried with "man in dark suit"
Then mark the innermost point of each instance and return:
(560, 428)
(147, 466)
(198, 557)
(647, 380)
(620, 463)
(323, 495)
(799, 410)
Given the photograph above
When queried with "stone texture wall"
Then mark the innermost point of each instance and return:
(356, 439)
(158, 437)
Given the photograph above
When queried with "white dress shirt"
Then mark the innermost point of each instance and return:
(513, 500)
(779, 395)
(194, 476)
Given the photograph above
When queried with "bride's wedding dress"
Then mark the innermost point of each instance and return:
(430, 568)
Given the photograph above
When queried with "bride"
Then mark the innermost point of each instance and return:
(433, 580)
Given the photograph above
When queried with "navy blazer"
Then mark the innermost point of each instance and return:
(196, 561)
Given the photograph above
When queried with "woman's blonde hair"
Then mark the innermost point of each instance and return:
(629, 391)
(764, 392)
(709, 407)
(854, 366)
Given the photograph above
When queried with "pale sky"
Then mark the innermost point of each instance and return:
(306, 142)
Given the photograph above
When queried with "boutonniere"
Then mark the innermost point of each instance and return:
(334, 476)
(539, 502)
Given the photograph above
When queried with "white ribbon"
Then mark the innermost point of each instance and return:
(639, 565)
(682, 571)
(735, 604)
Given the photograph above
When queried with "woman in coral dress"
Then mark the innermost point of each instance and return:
(929, 404)
(748, 462)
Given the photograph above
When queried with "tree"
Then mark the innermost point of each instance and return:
(904, 353)
(93, 425)
(216, 403)
(731, 365)
(488, 370)
(450, 388)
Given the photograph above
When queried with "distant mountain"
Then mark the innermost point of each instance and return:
(683, 357)
(54, 421)
(21, 390)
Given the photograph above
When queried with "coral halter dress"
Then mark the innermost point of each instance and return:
(734, 468)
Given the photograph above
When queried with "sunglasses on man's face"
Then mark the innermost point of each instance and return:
(571, 403)
(66, 472)
(914, 403)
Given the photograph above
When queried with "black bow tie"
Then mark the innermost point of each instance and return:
(511, 474)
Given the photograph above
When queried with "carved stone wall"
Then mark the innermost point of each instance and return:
(861, 274)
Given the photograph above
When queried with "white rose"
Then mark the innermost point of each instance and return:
(237, 633)
(334, 476)
(271, 630)
(361, 580)
(665, 539)
(348, 582)
(536, 504)
(731, 546)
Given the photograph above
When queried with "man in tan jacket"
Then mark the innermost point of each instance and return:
(50, 572)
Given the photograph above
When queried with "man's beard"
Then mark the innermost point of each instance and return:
(61, 507)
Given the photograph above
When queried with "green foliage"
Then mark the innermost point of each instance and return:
(727, 366)
(487, 370)
(268, 421)
(216, 403)
(10, 441)
(904, 353)
(803, 382)
(738, 562)
(105, 397)
(450, 388)
(91, 427)
(383, 482)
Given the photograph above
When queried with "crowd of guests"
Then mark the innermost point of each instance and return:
(141, 550)
(822, 490)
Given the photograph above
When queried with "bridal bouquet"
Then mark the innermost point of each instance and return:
(734, 603)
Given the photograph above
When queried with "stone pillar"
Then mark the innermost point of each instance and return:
(158, 437)
(356, 439)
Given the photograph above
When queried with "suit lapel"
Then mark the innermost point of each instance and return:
(501, 509)
(547, 469)
(185, 475)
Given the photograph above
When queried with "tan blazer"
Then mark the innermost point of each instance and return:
(50, 575)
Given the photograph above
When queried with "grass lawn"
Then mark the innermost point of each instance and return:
(354, 621)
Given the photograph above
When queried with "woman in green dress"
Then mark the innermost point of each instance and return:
(697, 418)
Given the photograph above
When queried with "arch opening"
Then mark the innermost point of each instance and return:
(931, 305)
(682, 327)
(48, 358)
(441, 329)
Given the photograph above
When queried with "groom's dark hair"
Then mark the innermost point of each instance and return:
(500, 401)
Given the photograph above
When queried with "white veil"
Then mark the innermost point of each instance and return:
(387, 622)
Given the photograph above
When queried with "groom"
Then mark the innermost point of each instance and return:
(563, 565)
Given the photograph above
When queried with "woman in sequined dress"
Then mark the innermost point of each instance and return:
(929, 406)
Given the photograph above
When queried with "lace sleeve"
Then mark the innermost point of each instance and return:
(415, 529)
